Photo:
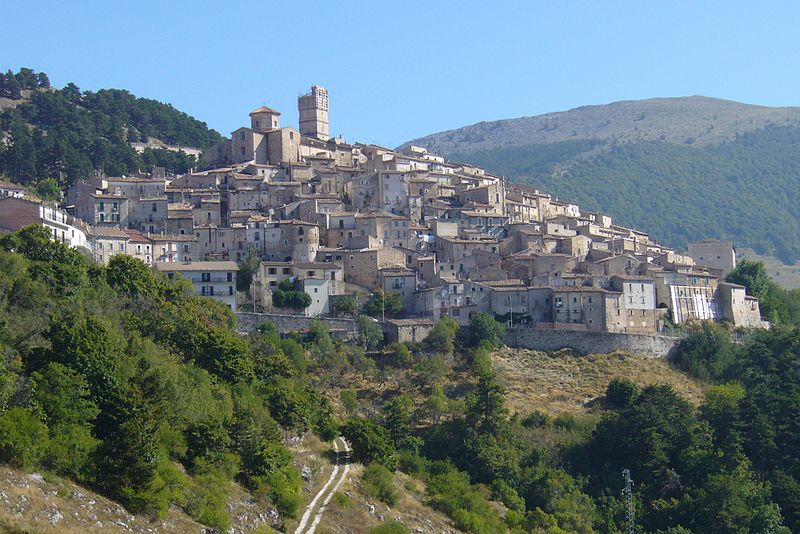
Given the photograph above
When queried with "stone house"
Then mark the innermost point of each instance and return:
(402, 281)
(363, 267)
(580, 306)
(107, 241)
(714, 254)
(738, 307)
(638, 306)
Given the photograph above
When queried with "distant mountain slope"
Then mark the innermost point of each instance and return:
(65, 134)
(679, 168)
(693, 120)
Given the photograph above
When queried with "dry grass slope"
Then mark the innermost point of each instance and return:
(786, 276)
(564, 381)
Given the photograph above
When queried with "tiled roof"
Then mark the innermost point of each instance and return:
(265, 109)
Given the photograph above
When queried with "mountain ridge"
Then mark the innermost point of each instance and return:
(677, 119)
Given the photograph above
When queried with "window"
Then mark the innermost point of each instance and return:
(155, 207)
(286, 270)
(272, 270)
(102, 206)
(230, 277)
(311, 274)
(230, 289)
(205, 277)
(102, 217)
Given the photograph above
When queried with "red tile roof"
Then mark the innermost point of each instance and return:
(265, 109)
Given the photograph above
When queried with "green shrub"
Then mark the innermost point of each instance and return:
(449, 491)
(501, 491)
(23, 438)
(371, 442)
(69, 451)
(342, 500)
(411, 463)
(483, 328)
(378, 483)
(706, 353)
(536, 419)
(390, 527)
(621, 392)
(401, 356)
(285, 485)
(208, 495)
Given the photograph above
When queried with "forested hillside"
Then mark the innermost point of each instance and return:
(128, 383)
(65, 134)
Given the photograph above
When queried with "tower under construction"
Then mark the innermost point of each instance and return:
(313, 108)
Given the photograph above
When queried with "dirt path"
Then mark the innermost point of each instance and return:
(326, 492)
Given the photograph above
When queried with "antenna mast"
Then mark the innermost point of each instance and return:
(627, 493)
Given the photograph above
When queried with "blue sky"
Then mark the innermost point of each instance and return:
(400, 70)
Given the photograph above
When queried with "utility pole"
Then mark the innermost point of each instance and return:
(627, 494)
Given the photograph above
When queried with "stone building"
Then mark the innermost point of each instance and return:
(738, 307)
(363, 267)
(714, 254)
(580, 306)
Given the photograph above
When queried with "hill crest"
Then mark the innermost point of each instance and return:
(691, 120)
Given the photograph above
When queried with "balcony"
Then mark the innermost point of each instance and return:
(213, 279)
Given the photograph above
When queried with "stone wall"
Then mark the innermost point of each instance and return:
(248, 322)
(650, 345)
(526, 337)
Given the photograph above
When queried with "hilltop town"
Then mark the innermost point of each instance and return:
(334, 226)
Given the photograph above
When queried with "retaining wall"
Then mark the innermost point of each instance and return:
(248, 322)
(650, 345)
